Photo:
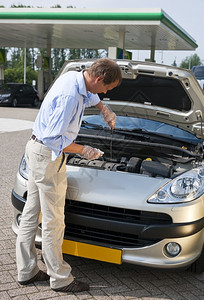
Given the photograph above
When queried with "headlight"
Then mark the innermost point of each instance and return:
(23, 168)
(5, 96)
(184, 188)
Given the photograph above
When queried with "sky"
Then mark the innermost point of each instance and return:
(189, 14)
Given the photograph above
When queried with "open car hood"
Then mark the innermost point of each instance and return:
(152, 91)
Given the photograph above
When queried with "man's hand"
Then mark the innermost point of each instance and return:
(91, 153)
(109, 117)
(88, 152)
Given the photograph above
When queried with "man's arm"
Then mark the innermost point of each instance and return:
(100, 106)
(74, 148)
(109, 116)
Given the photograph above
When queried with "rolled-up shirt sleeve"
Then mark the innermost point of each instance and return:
(92, 100)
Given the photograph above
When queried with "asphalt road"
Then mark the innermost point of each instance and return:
(107, 281)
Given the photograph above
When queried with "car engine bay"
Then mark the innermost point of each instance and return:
(135, 154)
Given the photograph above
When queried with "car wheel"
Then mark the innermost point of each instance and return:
(35, 102)
(198, 265)
(14, 102)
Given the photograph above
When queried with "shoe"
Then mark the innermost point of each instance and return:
(40, 276)
(74, 287)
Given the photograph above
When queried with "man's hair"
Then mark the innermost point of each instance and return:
(107, 68)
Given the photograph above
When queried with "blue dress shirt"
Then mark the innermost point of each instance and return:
(60, 116)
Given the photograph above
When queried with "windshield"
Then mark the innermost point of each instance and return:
(131, 123)
(7, 87)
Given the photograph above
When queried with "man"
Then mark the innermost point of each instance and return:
(55, 129)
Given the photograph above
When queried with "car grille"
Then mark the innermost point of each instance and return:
(110, 226)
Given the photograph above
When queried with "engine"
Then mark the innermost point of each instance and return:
(153, 159)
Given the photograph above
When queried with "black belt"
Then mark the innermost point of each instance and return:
(33, 137)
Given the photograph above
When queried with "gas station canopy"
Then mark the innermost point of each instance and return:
(136, 29)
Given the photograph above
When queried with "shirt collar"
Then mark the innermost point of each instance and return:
(81, 84)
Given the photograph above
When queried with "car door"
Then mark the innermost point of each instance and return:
(30, 94)
(26, 94)
(22, 94)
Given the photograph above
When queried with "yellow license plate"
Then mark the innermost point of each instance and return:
(92, 251)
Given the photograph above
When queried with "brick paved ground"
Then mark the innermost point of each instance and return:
(107, 281)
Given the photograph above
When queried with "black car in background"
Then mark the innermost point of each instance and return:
(198, 72)
(14, 94)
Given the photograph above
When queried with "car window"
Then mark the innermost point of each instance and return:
(22, 88)
(29, 89)
(7, 87)
(199, 72)
(25, 89)
(130, 123)
(151, 90)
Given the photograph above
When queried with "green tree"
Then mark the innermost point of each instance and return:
(58, 58)
(20, 6)
(190, 61)
(17, 75)
(86, 53)
(16, 56)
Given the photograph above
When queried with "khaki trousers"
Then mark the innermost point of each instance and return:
(47, 185)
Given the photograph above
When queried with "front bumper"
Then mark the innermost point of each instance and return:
(152, 253)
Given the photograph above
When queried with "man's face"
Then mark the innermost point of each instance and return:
(100, 87)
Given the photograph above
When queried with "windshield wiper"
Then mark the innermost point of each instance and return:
(134, 130)
(153, 135)
(91, 125)
(140, 133)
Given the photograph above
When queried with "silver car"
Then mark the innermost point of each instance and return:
(142, 202)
